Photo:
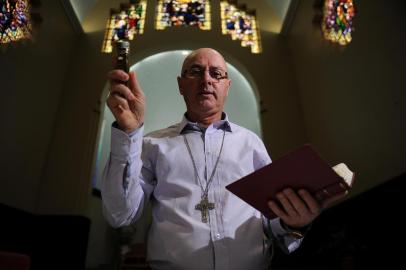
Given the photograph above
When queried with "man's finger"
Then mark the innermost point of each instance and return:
(114, 101)
(277, 210)
(288, 207)
(122, 91)
(117, 75)
(310, 201)
(296, 201)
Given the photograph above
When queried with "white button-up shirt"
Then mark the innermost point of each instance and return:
(159, 168)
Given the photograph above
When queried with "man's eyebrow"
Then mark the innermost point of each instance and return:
(196, 65)
(211, 67)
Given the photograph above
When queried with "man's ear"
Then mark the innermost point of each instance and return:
(179, 79)
(229, 85)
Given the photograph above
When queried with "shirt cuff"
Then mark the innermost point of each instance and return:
(290, 241)
(123, 144)
(277, 228)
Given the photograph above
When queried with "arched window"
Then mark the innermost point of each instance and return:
(241, 25)
(183, 13)
(337, 23)
(123, 24)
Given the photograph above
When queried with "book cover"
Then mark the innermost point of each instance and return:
(301, 168)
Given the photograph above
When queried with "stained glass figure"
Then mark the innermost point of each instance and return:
(337, 24)
(183, 13)
(14, 20)
(124, 24)
(241, 26)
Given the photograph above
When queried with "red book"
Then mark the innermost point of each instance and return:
(301, 168)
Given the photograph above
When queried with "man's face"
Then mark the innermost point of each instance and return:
(204, 83)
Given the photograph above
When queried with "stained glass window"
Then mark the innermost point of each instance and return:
(183, 12)
(337, 24)
(241, 26)
(124, 24)
(14, 20)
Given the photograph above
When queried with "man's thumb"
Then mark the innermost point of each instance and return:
(133, 83)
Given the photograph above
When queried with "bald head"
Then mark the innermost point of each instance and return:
(206, 52)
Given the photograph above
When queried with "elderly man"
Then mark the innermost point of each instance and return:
(183, 170)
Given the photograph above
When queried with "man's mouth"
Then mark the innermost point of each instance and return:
(206, 93)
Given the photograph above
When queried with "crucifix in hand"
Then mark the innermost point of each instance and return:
(204, 206)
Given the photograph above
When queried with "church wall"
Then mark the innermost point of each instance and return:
(353, 97)
(32, 79)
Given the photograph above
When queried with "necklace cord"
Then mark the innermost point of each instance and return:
(205, 191)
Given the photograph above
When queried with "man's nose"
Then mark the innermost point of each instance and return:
(206, 78)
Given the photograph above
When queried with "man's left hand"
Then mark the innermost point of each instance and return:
(296, 209)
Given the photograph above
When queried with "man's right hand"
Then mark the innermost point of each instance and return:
(127, 103)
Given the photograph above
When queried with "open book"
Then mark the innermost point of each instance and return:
(301, 168)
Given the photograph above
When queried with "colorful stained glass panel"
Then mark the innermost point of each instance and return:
(240, 26)
(124, 24)
(14, 20)
(183, 13)
(337, 24)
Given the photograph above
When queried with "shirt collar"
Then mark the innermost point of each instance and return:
(223, 124)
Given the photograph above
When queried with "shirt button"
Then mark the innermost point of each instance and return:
(218, 235)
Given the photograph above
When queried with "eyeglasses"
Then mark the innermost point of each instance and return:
(198, 73)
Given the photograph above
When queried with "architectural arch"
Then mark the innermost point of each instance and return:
(165, 106)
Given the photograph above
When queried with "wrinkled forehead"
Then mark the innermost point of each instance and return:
(205, 58)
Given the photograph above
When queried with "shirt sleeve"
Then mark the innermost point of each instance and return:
(126, 183)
